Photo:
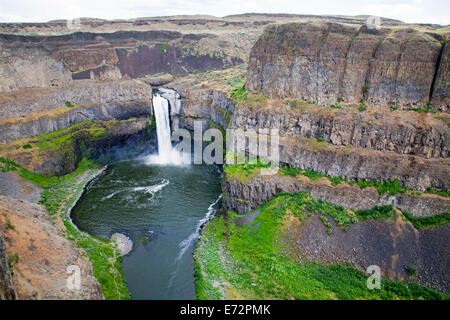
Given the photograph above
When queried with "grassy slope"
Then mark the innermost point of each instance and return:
(59, 194)
(246, 262)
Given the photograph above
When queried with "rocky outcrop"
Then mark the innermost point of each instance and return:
(364, 164)
(7, 291)
(206, 105)
(44, 110)
(245, 196)
(394, 245)
(44, 255)
(60, 152)
(26, 67)
(440, 99)
(400, 132)
(329, 62)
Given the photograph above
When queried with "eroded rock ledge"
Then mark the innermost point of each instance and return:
(44, 254)
(245, 196)
(330, 62)
(29, 112)
(399, 131)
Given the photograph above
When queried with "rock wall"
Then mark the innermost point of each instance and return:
(43, 110)
(363, 164)
(44, 254)
(330, 62)
(205, 105)
(400, 132)
(89, 138)
(7, 291)
(245, 196)
(25, 67)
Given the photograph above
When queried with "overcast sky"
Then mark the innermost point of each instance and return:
(419, 11)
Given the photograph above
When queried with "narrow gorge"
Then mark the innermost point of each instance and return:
(92, 174)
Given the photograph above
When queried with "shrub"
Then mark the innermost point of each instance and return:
(239, 94)
(337, 105)
(375, 213)
(411, 271)
(164, 47)
(69, 104)
(27, 146)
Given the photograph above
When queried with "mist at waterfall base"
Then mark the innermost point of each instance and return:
(166, 155)
(160, 206)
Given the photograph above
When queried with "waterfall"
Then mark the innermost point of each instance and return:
(166, 154)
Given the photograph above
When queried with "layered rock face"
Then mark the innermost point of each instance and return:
(440, 99)
(7, 291)
(43, 255)
(33, 111)
(205, 105)
(24, 67)
(329, 62)
(399, 132)
(245, 196)
(89, 138)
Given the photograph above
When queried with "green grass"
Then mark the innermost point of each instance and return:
(426, 109)
(106, 262)
(239, 94)
(243, 172)
(427, 222)
(375, 213)
(249, 261)
(387, 187)
(164, 47)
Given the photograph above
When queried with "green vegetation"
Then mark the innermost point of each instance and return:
(27, 146)
(336, 105)
(375, 213)
(313, 175)
(69, 104)
(9, 225)
(411, 271)
(426, 109)
(250, 261)
(164, 47)
(441, 193)
(443, 119)
(362, 106)
(243, 172)
(8, 165)
(59, 195)
(427, 222)
(389, 187)
(365, 89)
(239, 94)
(13, 259)
(393, 108)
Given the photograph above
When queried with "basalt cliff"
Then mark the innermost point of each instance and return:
(362, 116)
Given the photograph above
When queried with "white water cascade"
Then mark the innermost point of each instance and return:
(166, 154)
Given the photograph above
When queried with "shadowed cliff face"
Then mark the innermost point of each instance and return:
(329, 62)
(7, 291)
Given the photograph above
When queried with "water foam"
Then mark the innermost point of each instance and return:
(166, 154)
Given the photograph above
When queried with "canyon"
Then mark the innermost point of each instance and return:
(351, 103)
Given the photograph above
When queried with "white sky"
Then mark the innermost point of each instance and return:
(418, 11)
